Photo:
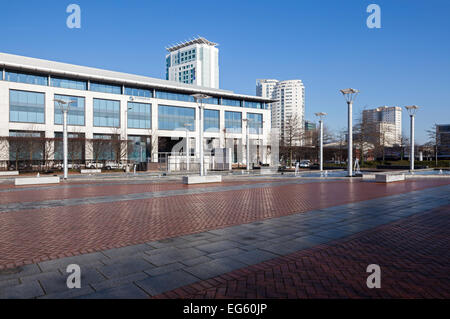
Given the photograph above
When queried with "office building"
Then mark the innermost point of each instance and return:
(109, 105)
(194, 62)
(289, 104)
(443, 141)
(384, 125)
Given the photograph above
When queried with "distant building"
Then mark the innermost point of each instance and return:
(290, 96)
(194, 62)
(443, 135)
(310, 131)
(310, 126)
(385, 124)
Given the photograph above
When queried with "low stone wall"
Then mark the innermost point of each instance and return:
(36, 180)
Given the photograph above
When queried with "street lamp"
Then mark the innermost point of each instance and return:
(199, 97)
(412, 112)
(321, 115)
(64, 105)
(350, 95)
(247, 155)
(186, 125)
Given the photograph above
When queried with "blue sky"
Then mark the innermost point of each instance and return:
(326, 43)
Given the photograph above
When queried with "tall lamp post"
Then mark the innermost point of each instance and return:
(412, 112)
(247, 140)
(186, 127)
(350, 95)
(199, 99)
(64, 105)
(321, 115)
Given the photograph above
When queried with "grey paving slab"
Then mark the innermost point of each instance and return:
(215, 267)
(164, 269)
(128, 291)
(218, 246)
(124, 268)
(196, 261)
(159, 284)
(225, 253)
(118, 281)
(27, 290)
(18, 272)
(126, 251)
(174, 256)
(254, 256)
(69, 293)
(86, 259)
(9, 283)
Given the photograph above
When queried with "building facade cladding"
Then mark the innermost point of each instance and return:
(443, 136)
(386, 123)
(290, 96)
(29, 105)
(194, 62)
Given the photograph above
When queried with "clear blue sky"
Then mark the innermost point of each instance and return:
(324, 42)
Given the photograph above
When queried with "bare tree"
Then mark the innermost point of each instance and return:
(433, 137)
(292, 135)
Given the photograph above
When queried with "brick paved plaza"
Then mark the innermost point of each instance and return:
(248, 237)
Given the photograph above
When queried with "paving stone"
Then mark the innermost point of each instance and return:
(124, 268)
(81, 260)
(27, 290)
(69, 293)
(125, 251)
(195, 261)
(254, 257)
(225, 253)
(215, 267)
(158, 284)
(18, 272)
(218, 246)
(128, 291)
(119, 281)
(9, 283)
(164, 269)
(174, 256)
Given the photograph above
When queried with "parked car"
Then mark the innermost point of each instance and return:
(305, 163)
(69, 165)
(108, 165)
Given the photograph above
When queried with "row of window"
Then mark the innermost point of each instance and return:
(15, 76)
(29, 107)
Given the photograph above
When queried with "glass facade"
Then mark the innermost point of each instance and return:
(174, 117)
(75, 147)
(254, 105)
(174, 96)
(106, 113)
(25, 78)
(106, 88)
(102, 147)
(138, 92)
(231, 102)
(211, 121)
(76, 112)
(137, 148)
(68, 83)
(26, 146)
(211, 100)
(27, 107)
(233, 122)
(139, 115)
(255, 123)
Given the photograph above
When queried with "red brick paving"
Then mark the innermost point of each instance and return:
(93, 190)
(35, 235)
(413, 254)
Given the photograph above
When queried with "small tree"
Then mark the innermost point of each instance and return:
(292, 134)
(433, 137)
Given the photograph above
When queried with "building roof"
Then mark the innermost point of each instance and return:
(28, 64)
(199, 40)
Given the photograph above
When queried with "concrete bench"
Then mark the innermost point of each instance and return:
(268, 171)
(388, 178)
(36, 180)
(9, 173)
(90, 171)
(196, 179)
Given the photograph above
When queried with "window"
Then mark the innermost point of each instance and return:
(139, 115)
(137, 148)
(106, 113)
(231, 102)
(27, 107)
(68, 84)
(174, 96)
(233, 122)
(26, 78)
(138, 92)
(106, 88)
(254, 105)
(211, 121)
(175, 117)
(255, 123)
(211, 100)
(75, 116)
